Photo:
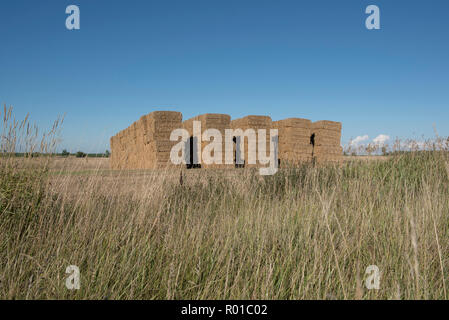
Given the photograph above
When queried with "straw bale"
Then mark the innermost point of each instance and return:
(145, 143)
(253, 122)
(327, 141)
(301, 150)
(166, 116)
(285, 143)
(292, 122)
(217, 121)
(326, 124)
(294, 131)
(326, 133)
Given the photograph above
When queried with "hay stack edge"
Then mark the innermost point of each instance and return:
(146, 143)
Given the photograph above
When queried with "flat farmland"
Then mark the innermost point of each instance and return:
(304, 233)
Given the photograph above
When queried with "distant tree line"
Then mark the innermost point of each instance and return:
(64, 153)
(81, 154)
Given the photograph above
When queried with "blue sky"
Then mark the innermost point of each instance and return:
(310, 59)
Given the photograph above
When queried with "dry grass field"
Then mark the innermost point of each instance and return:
(304, 233)
(71, 164)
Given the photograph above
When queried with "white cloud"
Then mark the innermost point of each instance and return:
(381, 139)
(417, 145)
(359, 139)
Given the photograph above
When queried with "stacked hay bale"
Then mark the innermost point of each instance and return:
(255, 123)
(127, 147)
(117, 151)
(156, 128)
(124, 149)
(139, 149)
(295, 146)
(122, 153)
(221, 122)
(132, 146)
(327, 136)
(146, 143)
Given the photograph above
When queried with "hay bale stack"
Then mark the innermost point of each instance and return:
(146, 143)
(218, 121)
(125, 149)
(122, 150)
(131, 146)
(116, 151)
(327, 136)
(255, 123)
(139, 146)
(156, 128)
(294, 141)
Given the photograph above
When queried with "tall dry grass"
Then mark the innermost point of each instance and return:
(306, 233)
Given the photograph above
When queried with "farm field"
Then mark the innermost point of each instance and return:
(306, 233)
(73, 164)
